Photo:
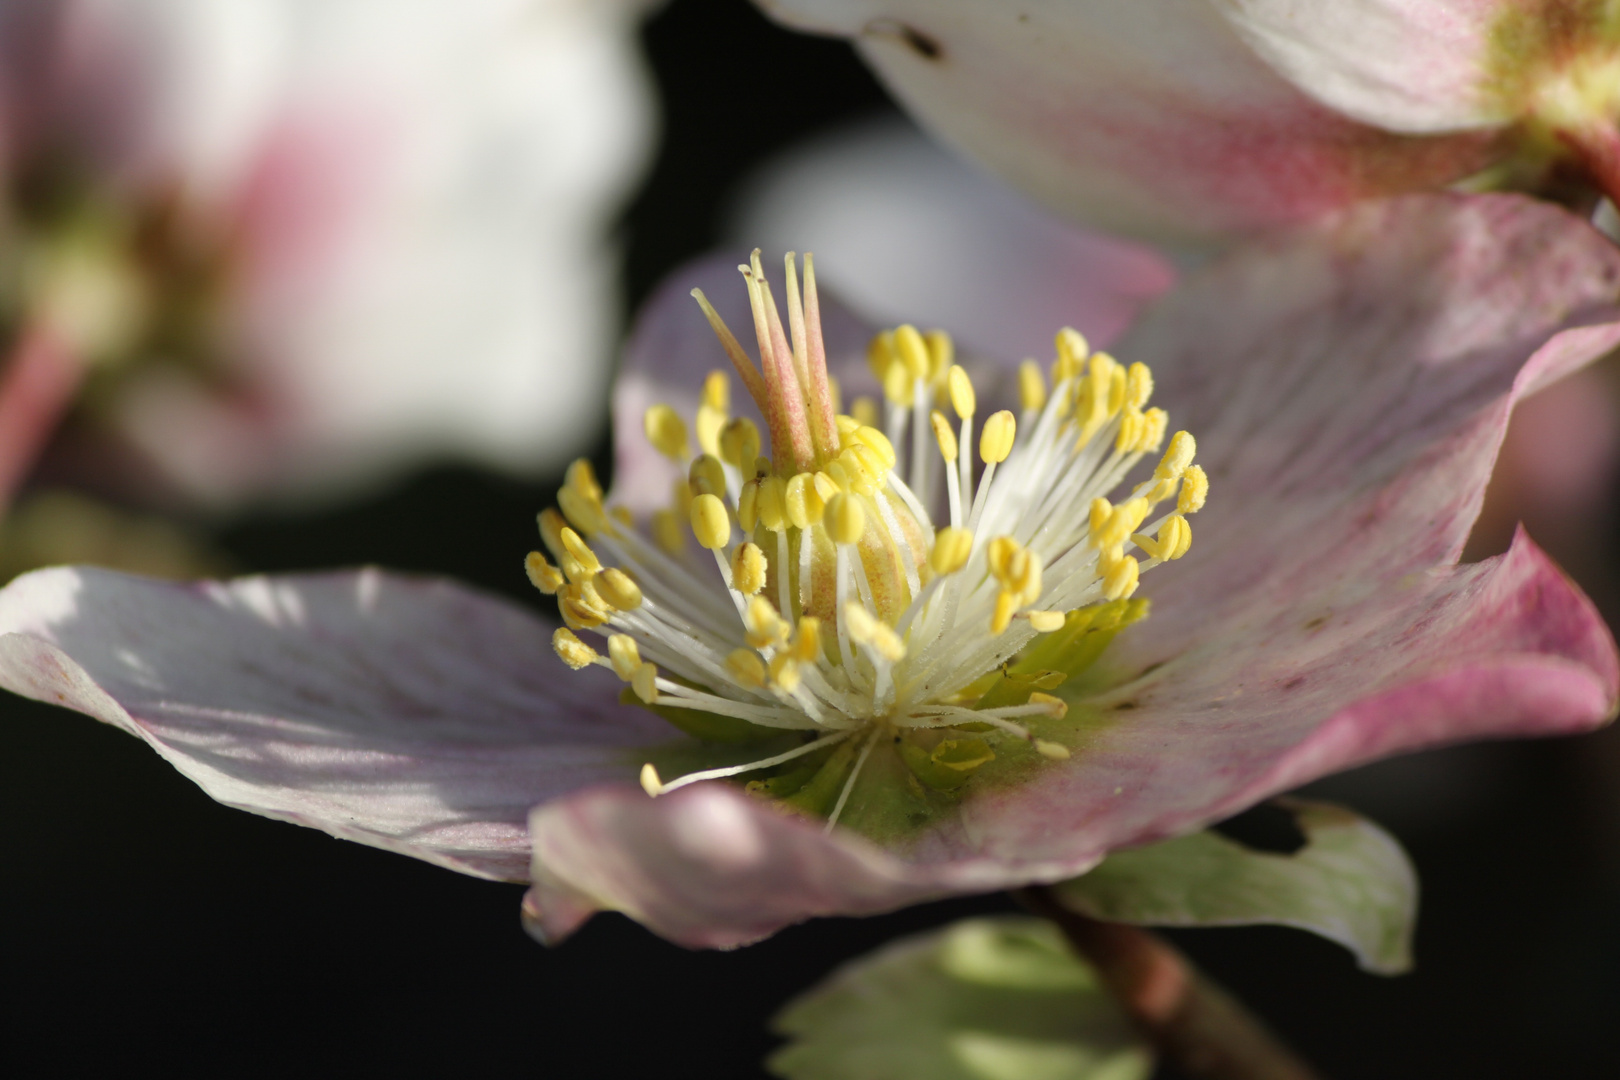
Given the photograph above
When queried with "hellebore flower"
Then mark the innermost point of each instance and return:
(292, 246)
(1198, 120)
(1318, 621)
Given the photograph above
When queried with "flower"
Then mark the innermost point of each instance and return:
(1195, 121)
(293, 247)
(1319, 620)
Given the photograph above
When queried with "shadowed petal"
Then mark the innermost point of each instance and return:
(410, 714)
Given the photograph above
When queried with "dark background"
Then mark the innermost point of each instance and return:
(144, 924)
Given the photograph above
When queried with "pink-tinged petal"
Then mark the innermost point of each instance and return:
(908, 233)
(672, 349)
(1413, 66)
(708, 867)
(1151, 117)
(1350, 384)
(409, 714)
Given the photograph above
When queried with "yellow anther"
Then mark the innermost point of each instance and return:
(1101, 511)
(877, 442)
(996, 442)
(1138, 385)
(1072, 349)
(616, 587)
(952, 546)
(1055, 708)
(710, 522)
(785, 672)
(681, 496)
(1116, 384)
(746, 667)
(864, 410)
(542, 575)
(1194, 490)
(748, 569)
(841, 476)
(739, 442)
(1125, 520)
(867, 629)
(1175, 537)
(667, 531)
(762, 468)
(803, 504)
(650, 782)
(582, 478)
(898, 385)
(584, 514)
(1031, 386)
(998, 553)
(1157, 423)
(945, 436)
(772, 503)
(1006, 606)
(1049, 749)
(1131, 425)
(1120, 581)
(846, 425)
(846, 519)
(1177, 457)
(941, 354)
(870, 460)
(580, 608)
(1045, 622)
(666, 431)
(645, 682)
(880, 354)
(765, 629)
(551, 526)
(748, 506)
(574, 652)
(580, 552)
(710, 424)
(717, 390)
(963, 399)
(806, 647)
(624, 654)
(707, 476)
(825, 485)
(912, 350)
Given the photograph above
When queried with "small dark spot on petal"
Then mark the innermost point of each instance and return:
(1319, 621)
(1267, 827)
(1127, 705)
(924, 45)
(1295, 683)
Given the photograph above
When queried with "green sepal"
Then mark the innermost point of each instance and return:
(707, 726)
(1052, 658)
(949, 764)
(817, 795)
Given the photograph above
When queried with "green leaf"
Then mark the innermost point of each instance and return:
(1351, 883)
(983, 999)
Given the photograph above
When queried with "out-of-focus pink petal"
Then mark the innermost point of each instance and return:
(1413, 66)
(409, 714)
(1318, 621)
(908, 233)
(1152, 117)
(672, 348)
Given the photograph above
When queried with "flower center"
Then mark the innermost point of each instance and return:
(840, 615)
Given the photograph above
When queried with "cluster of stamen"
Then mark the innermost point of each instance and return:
(837, 607)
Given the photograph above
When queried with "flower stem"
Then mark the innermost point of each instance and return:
(1196, 1026)
(37, 385)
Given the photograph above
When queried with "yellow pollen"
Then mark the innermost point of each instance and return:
(765, 628)
(578, 608)
(1031, 387)
(616, 587)
(666, 431)
(963, 400)
(624, 655)
(710, 522)
(846, 520)
(802, 502)
(645, 682)
(1194, 490)
(1120, 578)
(996, 442)
(1138, 386)
(748, 569)
(807, 640)
(746, 667)
(574, 652)
(952, 546)
(1177, 457)
(785, 672)
(542, 575)
(866, 629)
(944, 435)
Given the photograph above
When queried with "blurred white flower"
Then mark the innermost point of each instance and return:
(298, 243)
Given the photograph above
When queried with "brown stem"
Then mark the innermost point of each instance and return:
(37, 384)
(1597, 148)
(1195, 1026)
